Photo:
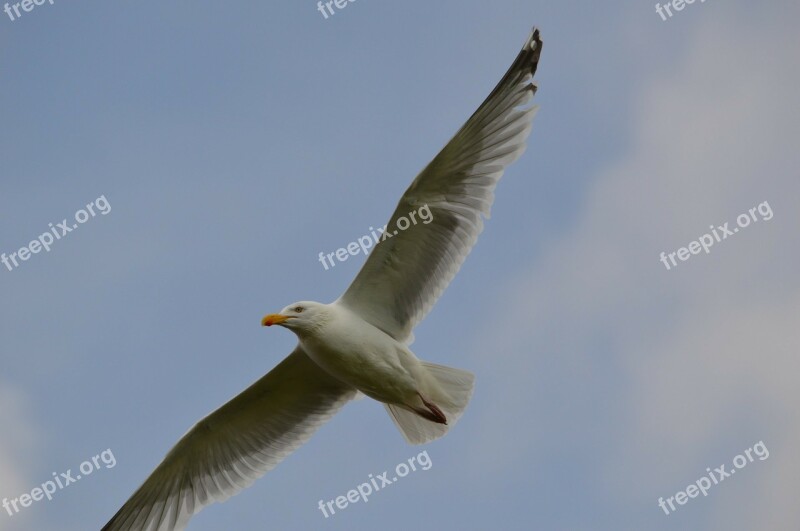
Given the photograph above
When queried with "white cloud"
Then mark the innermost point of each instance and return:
(699, 362)
(17, 445)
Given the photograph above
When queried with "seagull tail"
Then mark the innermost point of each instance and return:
(457, 386)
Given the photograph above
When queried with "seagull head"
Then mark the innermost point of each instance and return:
(300, 316)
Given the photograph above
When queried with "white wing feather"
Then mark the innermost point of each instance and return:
(235, 445)
(406, 273)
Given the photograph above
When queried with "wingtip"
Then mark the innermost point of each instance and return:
(534, 42)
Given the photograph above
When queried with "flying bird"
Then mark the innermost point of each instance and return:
(360, 342)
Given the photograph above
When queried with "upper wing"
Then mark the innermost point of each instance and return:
(405, 273)
(236, 444)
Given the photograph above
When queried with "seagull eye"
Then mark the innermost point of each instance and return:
(299, 309)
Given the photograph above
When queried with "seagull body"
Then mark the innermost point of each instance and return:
(357, 353)
(360, 342)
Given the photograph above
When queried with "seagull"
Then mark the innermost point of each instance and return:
(358, 344)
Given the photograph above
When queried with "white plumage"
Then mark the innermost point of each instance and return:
(360, 341)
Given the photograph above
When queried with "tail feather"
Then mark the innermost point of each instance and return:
(456, 388)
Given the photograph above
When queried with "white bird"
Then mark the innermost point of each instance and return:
(360, 341)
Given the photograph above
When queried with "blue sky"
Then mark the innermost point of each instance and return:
(236, 142)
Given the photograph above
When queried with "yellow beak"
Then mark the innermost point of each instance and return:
(274, 318)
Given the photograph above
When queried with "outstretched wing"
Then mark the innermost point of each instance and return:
(236, 444)
(406, 273)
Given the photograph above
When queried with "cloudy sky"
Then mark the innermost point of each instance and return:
(233, 143)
